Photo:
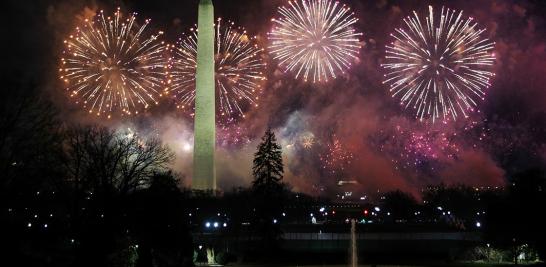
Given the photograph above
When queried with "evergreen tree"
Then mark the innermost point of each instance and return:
(268, 193)
(268, 167)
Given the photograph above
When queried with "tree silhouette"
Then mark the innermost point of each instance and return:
(268, 192)
(268, 167)
(28, 134)
(29, 139)
(102, 168)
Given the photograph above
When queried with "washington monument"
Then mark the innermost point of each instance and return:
(204, 173)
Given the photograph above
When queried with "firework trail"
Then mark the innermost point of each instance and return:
(315, 39)
(111, 64)
(239, 71)
(440, 65)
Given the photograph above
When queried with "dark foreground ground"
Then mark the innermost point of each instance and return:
(425, 265)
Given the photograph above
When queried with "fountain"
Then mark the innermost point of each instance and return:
(353, 261)
(210, 256)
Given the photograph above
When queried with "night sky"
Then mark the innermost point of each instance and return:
(385, 147)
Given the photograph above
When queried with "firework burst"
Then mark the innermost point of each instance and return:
(239, 71)
(439, 65)
(315, 39)
(337, 158)
(111, 64)
(307, 141)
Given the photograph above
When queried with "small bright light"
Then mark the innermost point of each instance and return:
(207, 224)
(136, 246)
(186, 147)
(377, 209)
(200, 246)
(225, 224)
(274, 220)
(311, 214)
(215, 225)
(283, 214)
(439, 208)
(45, 225)
(478, 224)
(29, 225)
(321, 209)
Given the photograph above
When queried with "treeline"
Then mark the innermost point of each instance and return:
(84, 195)
(511, 218)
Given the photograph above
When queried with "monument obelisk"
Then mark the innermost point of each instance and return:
(204, 173)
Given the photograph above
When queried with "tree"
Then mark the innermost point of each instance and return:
(104, 162)
(268, 191)
(28, 135)
(101, 169)
(29, 138)
(268, 167)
